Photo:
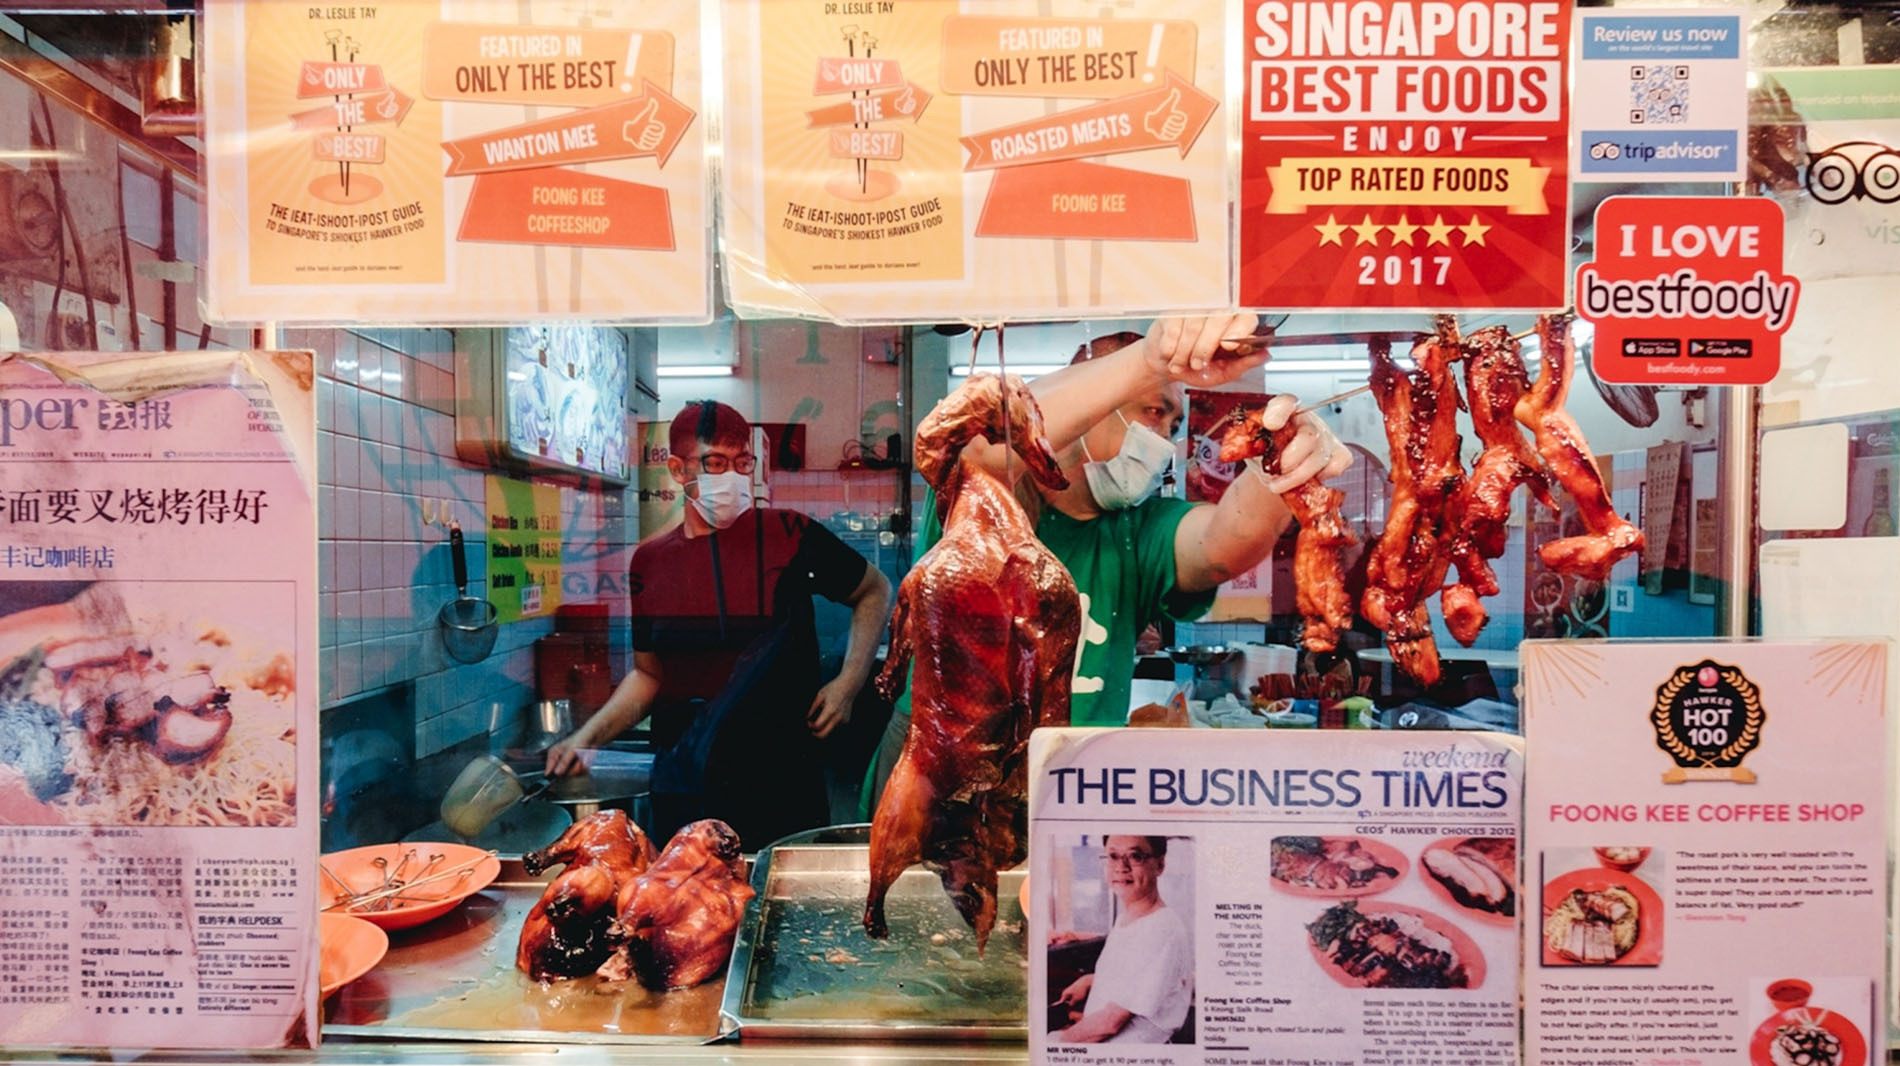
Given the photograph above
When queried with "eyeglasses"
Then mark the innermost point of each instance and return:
(715, 463)
(1130, 858)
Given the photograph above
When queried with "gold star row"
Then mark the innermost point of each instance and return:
(1438, 231)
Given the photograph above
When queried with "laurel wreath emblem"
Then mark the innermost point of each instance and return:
(1752, 718)
(1665, 729)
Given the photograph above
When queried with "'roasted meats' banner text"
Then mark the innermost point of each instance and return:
(911, 161)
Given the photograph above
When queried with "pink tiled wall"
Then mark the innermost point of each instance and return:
(386, 461)
(824, 493)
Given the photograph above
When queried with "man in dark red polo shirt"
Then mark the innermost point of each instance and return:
(725, 649)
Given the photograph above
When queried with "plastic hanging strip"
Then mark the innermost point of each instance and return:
(1002, 381)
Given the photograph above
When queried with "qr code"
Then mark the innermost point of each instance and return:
(1659, 95)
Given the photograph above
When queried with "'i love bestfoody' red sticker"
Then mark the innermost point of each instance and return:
(1687, 290)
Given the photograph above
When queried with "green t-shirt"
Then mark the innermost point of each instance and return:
(1123, 565)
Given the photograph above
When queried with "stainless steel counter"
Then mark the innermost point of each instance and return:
(455, 979)
(429, 1053)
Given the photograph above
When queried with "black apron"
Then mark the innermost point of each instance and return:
(745, 756)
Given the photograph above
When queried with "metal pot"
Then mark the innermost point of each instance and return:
(549, 722)
(484, 791)
(468, 624)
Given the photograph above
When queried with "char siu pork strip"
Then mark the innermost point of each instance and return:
(1319, 572)
(1608, 537)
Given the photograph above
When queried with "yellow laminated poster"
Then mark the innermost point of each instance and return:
(889, 160)
(862, 168)
(523, 548)
(455, 162)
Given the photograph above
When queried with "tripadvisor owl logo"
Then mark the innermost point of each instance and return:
(1708, 717)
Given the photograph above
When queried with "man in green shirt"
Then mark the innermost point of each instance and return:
(1111, 417)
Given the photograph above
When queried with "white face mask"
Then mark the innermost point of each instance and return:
(1135, 472)
(722, 497)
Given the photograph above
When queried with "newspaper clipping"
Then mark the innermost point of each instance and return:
(1264, 900)
(158, 683)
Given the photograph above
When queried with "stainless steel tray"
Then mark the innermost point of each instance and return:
(455, 979)
(803, 966)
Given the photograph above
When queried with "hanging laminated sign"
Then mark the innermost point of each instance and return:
(1687, 290)
(891, 161)
(159, 796)
(1705, 853)
(523, 574)
(455, 162)
(1405, 154)
(1661, 96)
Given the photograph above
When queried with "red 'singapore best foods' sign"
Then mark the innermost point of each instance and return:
(1405, 154)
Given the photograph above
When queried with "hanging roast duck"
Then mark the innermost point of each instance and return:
(991, 619)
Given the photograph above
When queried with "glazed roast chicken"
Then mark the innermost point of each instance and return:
(677, 920)
(1319, 572)
(565, 935)
(1607, 536)
(1409, 561)
(1495, 380)
(991, 619)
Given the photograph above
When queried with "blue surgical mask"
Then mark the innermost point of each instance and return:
(1135, 473)
(722, 498)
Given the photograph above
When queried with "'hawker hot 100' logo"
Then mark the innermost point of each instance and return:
(1708, 717)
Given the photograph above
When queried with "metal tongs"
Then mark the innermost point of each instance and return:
(1263, 337)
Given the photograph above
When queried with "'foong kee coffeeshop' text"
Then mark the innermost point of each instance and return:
(1445, 779)
(1711, 813)
(1427, 60)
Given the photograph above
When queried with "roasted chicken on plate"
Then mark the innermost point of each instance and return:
(678, 919)
(565, 935)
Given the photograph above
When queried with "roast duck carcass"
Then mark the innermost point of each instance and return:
(991, 619)
(565, 935)
(1319, 572)
(1608, 537)
(677, 920)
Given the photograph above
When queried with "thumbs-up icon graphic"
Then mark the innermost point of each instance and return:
(1168, 121)
(906, 101)
(643, 131)
(388, 107)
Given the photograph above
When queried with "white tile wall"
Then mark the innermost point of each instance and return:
(386, 404)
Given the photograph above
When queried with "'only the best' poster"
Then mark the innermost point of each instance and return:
(459, 162)
(923, 159)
